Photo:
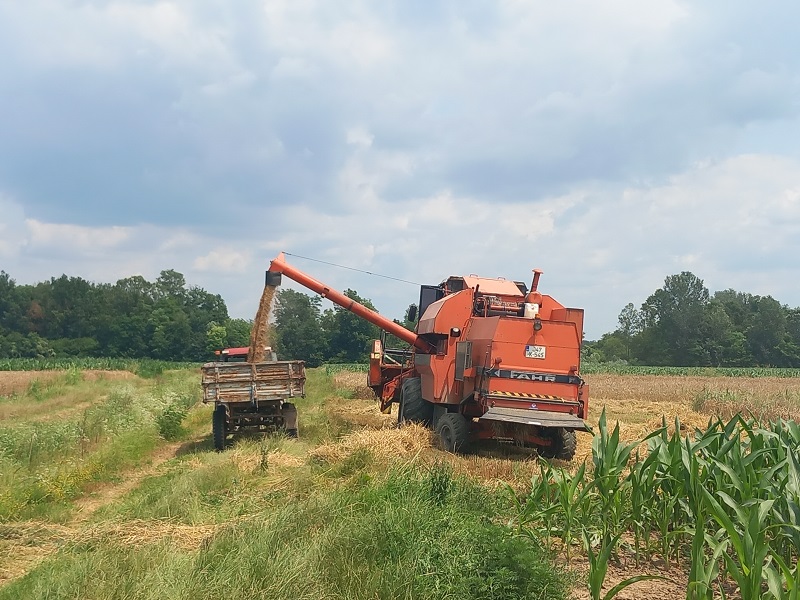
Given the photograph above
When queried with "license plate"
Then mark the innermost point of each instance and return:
(535, 351)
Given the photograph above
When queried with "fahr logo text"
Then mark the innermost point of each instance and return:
(532, 376)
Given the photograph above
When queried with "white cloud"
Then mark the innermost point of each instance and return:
(611, 144)
(74, 238)
(223, 260)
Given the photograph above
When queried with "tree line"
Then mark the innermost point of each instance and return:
(304, 331)
(682, 324)
(166, 319)
(133, 318)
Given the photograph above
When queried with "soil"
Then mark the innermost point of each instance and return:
(259, 336)
(671, 587)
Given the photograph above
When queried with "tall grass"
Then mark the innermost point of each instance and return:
(47, 462)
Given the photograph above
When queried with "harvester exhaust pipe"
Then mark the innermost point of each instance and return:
(279, 266)
(535, 283)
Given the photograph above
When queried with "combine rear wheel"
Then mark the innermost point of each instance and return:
(219, 427)
(413, 407)
(563, 446)
(453, 432)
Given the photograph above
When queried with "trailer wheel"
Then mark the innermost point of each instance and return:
(413, 407)
(564, 444)
(453, 432)
(219, 427)
(289, 413)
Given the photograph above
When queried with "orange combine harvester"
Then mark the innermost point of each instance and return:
(490, 359)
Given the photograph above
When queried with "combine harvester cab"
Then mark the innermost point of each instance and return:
(490, 359)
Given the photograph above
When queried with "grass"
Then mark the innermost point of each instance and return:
(357, 508)
(412, 534)
(268, 518)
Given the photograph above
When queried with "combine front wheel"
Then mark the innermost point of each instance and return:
(413, 407)
(219, 427)
(563, 444)
(453, 432)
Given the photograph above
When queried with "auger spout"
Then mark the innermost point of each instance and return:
(279, 266)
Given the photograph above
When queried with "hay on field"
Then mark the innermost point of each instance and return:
(639, 411)
(383, 444)
(350, 380)
(249, 459)
(360, 412)
(140, 533)
(355, 383)
(25, 544)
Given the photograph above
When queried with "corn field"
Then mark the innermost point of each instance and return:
(144, 366)
(334, 368)
(589, 368)
(723, 504)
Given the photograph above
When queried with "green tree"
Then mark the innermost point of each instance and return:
(630, 325)
(298, 329)
(675, 316)
(11, 310)
(170, 329)
(170, 284)
(238, 333)
(216, 335)
(349, 336)
(610, 347)
(767, 331)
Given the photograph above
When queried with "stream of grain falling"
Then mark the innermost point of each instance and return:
(259, 336)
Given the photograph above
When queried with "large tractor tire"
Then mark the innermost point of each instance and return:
(563, 446)
(453, 432)
(219, 427)
(413, 407)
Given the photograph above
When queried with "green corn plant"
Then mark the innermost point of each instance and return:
(750, 545)
(642, 483)
(535, 517)
(610, 457)
(704, 569)
(784, 586)
(598, 566)
(572, 493)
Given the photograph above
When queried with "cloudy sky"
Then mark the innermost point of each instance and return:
(609, 143)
